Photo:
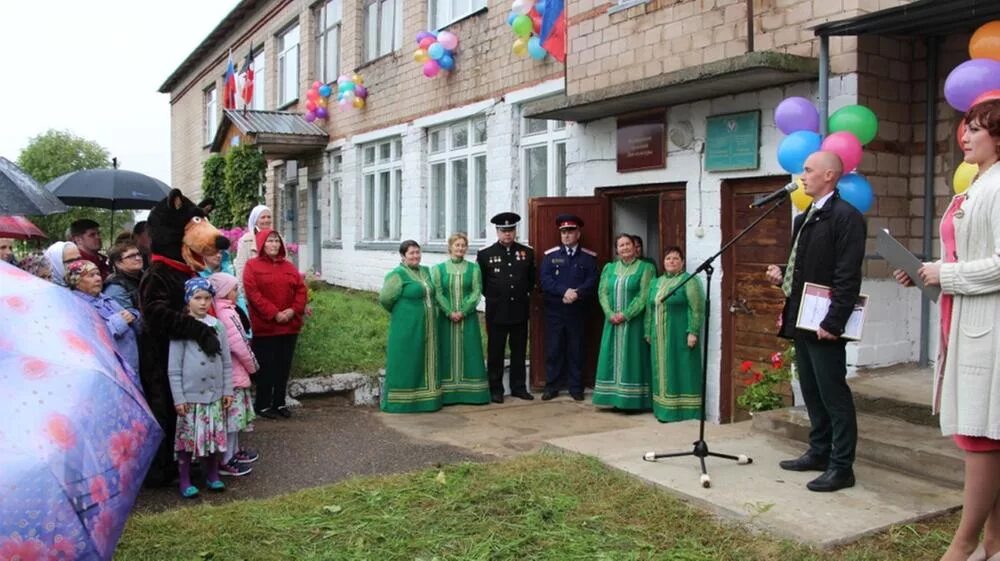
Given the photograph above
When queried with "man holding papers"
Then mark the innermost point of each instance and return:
(828, 246)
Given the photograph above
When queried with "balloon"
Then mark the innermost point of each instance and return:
(857, 120)
(321, 113)
(431, 68)
(310, 116)
(795, 148)
(523, 27)
(448, 40)
(325, 90)
(964, 174)
(985, 96)
(985, 42)
(361, 92)
(321, 102)
(348, 96)
(447, 62)
(357, 79)
(511, 18)
(969, 80)
(535, 48)
(435, 51)
(799, 197)
(342, 78)
(536, 21)
(317, 84)
(420, 55)
(540, 7)
(960, 133)
(346, 86)
(310, 105)
(845, 145)
(344, 103)
(855, 189)
(796, 114)
(312, 95)
(521, 7)
(423, 35)
(426, 42)
(358, 103)
(520, 46)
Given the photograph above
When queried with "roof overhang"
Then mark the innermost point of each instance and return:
(920, 18)
(278, 134)
(748, 72)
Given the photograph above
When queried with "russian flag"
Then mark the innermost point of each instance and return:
(553, 32)
(229, 90)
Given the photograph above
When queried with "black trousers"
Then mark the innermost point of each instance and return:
(497, 335)
(274, 355)
(822, 367)
(564, 332)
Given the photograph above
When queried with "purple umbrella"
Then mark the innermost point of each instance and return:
(77, 436)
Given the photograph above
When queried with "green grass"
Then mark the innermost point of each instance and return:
(535, 507)
(346, 333)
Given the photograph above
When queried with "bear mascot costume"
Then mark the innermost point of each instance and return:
(181, 236)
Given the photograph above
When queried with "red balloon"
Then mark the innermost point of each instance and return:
(426, 42)
(536, 20)
(960, 133)
(312, 95)
(317, 85)
(310, 105)
(985, 96)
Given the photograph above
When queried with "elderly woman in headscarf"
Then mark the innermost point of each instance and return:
(84, 279)
(246, 248)
(59, 255)
(36, 264)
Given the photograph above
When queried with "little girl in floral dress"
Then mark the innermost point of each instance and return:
(202, 388)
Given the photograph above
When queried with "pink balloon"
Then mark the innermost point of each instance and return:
(846, 146)
(426, 42)
(448, 40)
(317, 84)
(431, 68)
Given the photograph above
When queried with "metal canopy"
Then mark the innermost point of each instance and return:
(277, 133)
(920, 18)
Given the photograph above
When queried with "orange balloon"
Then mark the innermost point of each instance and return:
(960, 133)
(985, 42)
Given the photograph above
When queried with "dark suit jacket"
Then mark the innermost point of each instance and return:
(508, 277)
(830, 252)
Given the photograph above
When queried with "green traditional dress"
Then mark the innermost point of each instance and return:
(461, 369)
(411, 383)
(623, 364)
(676, 368)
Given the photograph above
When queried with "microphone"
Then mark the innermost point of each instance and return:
(779, 194)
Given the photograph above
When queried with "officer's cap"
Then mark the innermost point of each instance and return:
(506, 220)
(568, 222)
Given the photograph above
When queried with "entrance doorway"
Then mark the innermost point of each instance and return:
(315, 227)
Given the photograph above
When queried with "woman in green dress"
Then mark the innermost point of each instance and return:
(623, 364)
(457, 287)
(411, 383)
(673, 329)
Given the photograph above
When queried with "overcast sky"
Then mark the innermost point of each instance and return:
(93, 68)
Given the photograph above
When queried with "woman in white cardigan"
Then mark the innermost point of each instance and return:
(967, 381)
(246, 248)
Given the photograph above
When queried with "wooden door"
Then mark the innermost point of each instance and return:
(543, 234)
(673, 223)
(750, 305)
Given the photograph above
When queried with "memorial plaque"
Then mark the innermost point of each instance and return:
(641, 142)
(733, 142)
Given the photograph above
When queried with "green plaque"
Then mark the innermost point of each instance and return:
(733, 141)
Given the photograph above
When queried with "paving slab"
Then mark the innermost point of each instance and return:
(761, 494)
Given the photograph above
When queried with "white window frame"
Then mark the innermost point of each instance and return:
(336, 182)
(388, 159)
(551, 139)
(259, 62)
(377, 40)
(288, 65)
(210, 121)
(442, 13)
(474, 154)
(328, 33)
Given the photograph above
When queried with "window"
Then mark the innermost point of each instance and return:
(383, 27)
(328, 40)
(457, 161)
(336, 194)
(259, 80)
(543, 161)
(211, 119)
(288, 66)
(444, 12)
(382, 184)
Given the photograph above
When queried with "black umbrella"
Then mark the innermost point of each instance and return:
(20, 194)
(112, 188)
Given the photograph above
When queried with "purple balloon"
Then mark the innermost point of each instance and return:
(361, 91)
(796, 114)
(321, 113)
(422, 35)
(310, 116)
(969, 80)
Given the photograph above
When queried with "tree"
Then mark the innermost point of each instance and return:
(54, 153)
(245, 167)
(213, 185)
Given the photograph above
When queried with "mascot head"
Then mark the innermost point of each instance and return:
(179, 230)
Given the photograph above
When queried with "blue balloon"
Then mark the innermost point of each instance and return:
(535, 48)
(324, 90)
(795, 148)
(446, 62)
(540, 7)
(855, 189)
(346, 86)
(511, 18)
(436, 51)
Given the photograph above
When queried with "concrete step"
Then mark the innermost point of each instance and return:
(901, 392)
(910, 448)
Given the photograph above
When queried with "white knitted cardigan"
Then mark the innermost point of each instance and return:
(967, 382)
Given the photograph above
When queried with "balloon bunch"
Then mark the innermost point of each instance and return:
(316, 101)
(436, 52)
(351, 91)
(849, 129)
(526, 21)
(972, 82)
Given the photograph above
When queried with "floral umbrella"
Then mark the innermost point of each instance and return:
(76, 435)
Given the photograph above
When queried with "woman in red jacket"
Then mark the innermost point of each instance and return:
(277, 298)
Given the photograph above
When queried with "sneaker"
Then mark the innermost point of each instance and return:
(234, 468)
(247, 456)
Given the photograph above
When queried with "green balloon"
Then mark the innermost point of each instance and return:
(857, 120)
(522, 26)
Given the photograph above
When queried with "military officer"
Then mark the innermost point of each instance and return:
(569, 283)
(508, 270)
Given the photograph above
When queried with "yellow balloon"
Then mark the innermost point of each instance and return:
(358, 103)
(419, 55)
(521, 46)
(963, 177)
(357, 79)
(321, 102)
(799, 197)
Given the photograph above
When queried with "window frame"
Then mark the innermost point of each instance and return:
(373, 218)
(259, 62)
(373, 45)
(282, 58)
(335, 182)
(324, 29)
(554, 136)
(210, 119)
(475, 156)
(440, 19)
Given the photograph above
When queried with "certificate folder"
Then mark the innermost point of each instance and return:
(815, 304)
(900, 258)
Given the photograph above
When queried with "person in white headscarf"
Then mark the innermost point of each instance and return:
(246, 248)
(58, 255)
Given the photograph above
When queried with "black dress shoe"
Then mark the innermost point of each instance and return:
(496, 398)
(805, 462)
(577, 396)
(267, 413)
(523, 395)
(284, 412)
(833, 479)
(549, 395)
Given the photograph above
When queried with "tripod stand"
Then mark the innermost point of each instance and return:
(701, 450)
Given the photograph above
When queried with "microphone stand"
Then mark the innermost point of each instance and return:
(701, 450)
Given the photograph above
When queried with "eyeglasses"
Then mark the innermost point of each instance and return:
(131, 256)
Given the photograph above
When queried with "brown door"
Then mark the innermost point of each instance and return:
(673, 223)
(750, 305)
(543, 235)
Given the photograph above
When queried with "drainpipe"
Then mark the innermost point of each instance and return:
(930, 135)
(749, 26)
(824, 82)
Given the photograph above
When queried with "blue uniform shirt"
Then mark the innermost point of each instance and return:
(560, 272)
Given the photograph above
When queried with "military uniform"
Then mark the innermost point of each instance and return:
(508, 276)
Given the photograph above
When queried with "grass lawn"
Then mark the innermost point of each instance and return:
(346, 333)
(535, 507)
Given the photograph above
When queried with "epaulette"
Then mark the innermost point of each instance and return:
(550, 250)
(589, 252)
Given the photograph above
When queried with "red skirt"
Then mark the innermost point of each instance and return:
(976, 443)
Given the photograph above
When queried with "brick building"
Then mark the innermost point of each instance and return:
(428, 157)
